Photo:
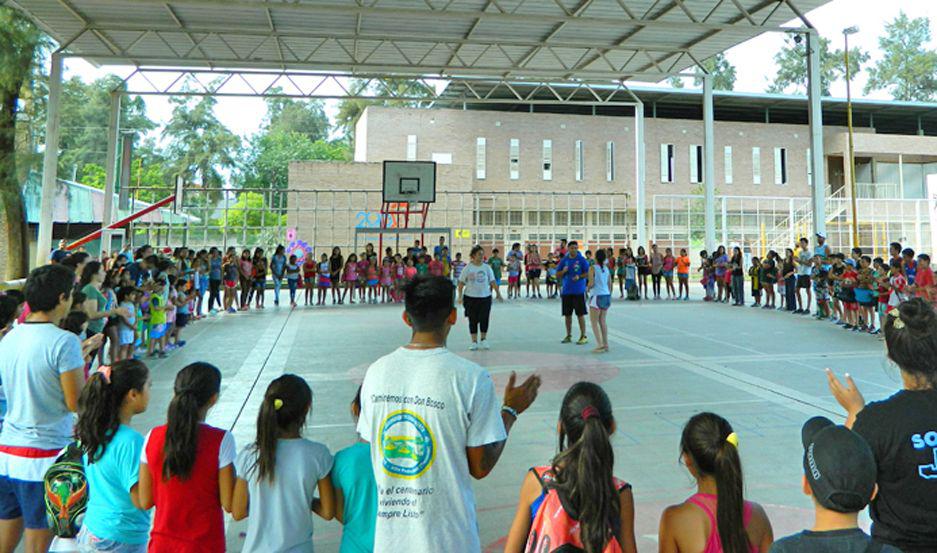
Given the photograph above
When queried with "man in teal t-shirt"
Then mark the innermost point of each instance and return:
(496, 263)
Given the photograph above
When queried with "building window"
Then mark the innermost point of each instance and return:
(578, 160)
(514, 162)
(442, 158)
(610, 161)
(480, 162)
(666, 163)
(728, 164)
(411, 147)
(756, 165)
(696, 163)
(809, 169)
(780, 166)
(547, 160)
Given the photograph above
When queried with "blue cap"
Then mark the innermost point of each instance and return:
(57, 256)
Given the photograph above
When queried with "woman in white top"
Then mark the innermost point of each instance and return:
(476, 283)
(600, 299)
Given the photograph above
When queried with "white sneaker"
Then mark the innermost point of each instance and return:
(484, 345)
(473, 346)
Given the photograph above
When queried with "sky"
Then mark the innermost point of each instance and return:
(753, 60)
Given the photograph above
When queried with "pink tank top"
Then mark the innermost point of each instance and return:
(707, 502)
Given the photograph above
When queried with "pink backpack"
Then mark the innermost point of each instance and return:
(553, 530)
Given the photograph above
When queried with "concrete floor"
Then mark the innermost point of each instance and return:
(761, 370)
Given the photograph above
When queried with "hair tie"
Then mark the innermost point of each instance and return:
(588, 412)
(733, 439)
(898, 322)
(277, 404)
(105, 371)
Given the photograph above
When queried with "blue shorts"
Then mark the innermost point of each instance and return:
(89, 543)
(157, 331)
(19, 498)
(372, 282)
(668, 274)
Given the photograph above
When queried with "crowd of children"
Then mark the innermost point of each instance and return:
(854, 291)
(190, 474)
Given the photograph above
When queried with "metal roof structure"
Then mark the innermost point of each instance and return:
(886, 116)
(560, 39)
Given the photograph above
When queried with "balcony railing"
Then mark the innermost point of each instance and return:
(878, 191)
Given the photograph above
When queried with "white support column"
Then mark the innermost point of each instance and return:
(110, 169)
(50, 162)
(815, 114)
(709, 164)
(639, 173)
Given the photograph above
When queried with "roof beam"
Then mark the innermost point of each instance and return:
(352, 9)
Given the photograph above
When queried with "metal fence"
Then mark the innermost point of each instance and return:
(761, 223)
(246, 218)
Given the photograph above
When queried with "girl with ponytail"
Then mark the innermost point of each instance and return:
(279, 473)
(112, 396)
(717, 519)
(576, 500)
(187, 468)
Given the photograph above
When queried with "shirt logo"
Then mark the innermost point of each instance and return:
(407, 445)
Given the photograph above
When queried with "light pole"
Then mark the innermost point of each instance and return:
(852, 156)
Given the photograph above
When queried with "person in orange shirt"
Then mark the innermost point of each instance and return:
(924, 285)
(683, 275)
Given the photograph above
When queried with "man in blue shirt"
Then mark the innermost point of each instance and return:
(574, 270)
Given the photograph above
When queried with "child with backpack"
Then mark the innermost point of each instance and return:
(576, 501)
(108, 402)
(279, 473)
(355, 492)
(716, 519)
(187, 469)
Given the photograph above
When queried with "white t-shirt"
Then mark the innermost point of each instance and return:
(420, 409)
(477, 280)
(280, 511)
(227, 452)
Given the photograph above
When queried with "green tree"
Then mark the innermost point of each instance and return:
(350, 110)
(792, 67)
(92, 175)
(21, 48)
(721, 69)
(307, 117)
(200, 148)
(84, 117)
(908, 68)
(248, 209)
(718, 66)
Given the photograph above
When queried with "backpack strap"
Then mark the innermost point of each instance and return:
(543, 475)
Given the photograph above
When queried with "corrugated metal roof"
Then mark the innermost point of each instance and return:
(556, 39)
(78, 203)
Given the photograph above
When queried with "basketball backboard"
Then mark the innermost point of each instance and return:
(410, 181)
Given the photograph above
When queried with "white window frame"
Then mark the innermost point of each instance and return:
(756, 165)
(578, 160)
(514, 159)
(547, 159)
(696, 164)
(781, 174)
(609, 161)
(667, 166)
(411, 147)
(727, 161)
(481, 158)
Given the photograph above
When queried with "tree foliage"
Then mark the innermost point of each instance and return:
(200, 148)
(21, 48)
(792, 67)
(306, 117)
(350, 110)
(249, 209)
(908, 68)
(270, 154)
(718, 66)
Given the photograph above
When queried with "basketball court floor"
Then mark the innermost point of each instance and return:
(761, 370)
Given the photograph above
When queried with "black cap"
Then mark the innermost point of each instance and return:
(839, 466)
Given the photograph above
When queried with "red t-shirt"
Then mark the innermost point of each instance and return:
(924, 283)
(435, 267)
(188, 512)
